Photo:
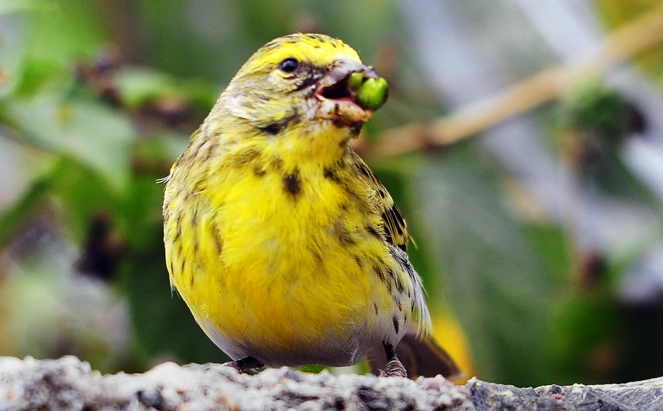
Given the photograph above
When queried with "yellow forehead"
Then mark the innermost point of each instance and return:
(317, 49)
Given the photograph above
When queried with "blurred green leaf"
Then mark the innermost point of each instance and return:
(68, 185)
(20, 211)
(596, 123)
(81, 193)
(42, 41)
(139, 86)
(66, 32)
(595, 108)
(91, 132)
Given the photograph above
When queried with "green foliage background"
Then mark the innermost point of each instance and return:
(97, 98)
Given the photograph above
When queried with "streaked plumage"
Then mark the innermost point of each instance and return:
(282, 242)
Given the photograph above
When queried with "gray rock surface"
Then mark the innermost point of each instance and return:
(635, 396)
(69, 384)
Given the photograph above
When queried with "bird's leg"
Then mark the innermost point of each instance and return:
(244, 365)
(394, 368)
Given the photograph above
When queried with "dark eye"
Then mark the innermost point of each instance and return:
(289, 65)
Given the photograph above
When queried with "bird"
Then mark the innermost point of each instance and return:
(280, 239)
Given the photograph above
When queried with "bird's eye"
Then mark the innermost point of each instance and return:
(289, 65)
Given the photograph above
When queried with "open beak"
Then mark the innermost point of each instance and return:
(338, 99)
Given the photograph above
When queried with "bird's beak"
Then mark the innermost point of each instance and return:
(337, 98)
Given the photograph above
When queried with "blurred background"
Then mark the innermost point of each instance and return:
(523, 140)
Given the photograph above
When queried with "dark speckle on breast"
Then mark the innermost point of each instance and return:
(292, 183)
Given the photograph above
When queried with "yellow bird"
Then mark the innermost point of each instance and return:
(279, 238)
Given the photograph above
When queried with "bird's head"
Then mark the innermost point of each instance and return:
(303, 80)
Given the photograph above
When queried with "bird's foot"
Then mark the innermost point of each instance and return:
(394, 367)
(244, 365)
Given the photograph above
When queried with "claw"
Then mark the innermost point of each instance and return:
(394, 367)
(244, 365)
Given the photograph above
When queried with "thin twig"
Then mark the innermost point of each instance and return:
(633, 37)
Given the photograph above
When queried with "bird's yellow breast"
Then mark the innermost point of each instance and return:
(280, 258)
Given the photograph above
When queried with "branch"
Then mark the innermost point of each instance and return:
(548, 85)
(69, 384)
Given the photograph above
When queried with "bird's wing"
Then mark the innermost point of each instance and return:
(395, 227)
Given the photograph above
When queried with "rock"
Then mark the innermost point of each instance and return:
(69, 384)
